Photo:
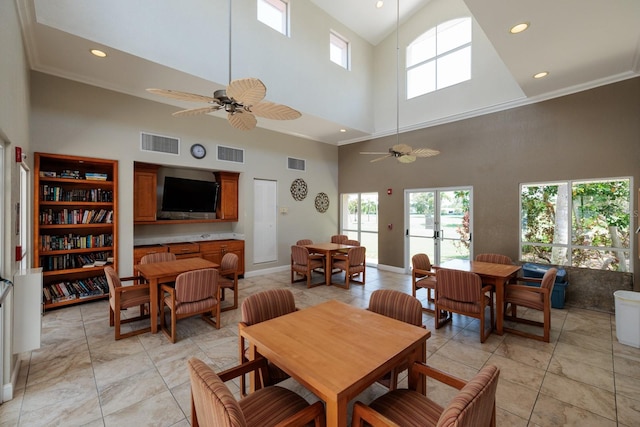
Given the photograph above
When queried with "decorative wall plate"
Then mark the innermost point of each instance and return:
(322, 202)
(298, 189)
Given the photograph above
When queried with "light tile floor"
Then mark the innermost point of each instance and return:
(81, 376)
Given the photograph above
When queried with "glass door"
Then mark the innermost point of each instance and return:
(438, 223)
(359, 221)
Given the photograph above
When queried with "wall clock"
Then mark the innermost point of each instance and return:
(198, 151)
(322, 202)
(298, 189)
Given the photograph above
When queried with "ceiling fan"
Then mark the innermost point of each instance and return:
(242, 101)
(403, 153)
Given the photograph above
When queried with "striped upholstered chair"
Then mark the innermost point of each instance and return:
(353, 264)
(494, 258)
(123, 297)
(228, 278)
(400, 306)
(195, 292)
(157, 257)
(423, 277)
(462, 292)
(257, 308)
(213, 404)
(473, 406)
(303, 264)
(339, 238)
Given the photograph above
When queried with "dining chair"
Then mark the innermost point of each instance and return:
(339, 238)
(123, 297)
(303, 264)
(351, 242)
(353, 263)
(533, 297)
(257, 308)
(423, 277)
(473, 406)
(195, 292)
(228, 279)
(213, 404)
(303, 242)
(462, 292)
(494, 258)
(400, 306)
(157, 257)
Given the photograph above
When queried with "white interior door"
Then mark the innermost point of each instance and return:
(265, 232)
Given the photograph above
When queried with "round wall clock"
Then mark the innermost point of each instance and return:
(198, 151)
(298, 189)
(322, 202)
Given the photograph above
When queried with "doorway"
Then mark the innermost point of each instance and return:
(438, 222)
(359, 221)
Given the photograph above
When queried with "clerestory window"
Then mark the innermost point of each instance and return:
(274, 13)
(339, 50)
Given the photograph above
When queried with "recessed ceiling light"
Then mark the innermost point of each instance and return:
(518, 28)
(343, 130)
(379, 4)
(98, 53)
(541, 75)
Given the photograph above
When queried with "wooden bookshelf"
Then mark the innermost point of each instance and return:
(75, 226)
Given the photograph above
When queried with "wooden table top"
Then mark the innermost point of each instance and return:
(334, 349)
(328, 246)
(171, 268)
(487, 269)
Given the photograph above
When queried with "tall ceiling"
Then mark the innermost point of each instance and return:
(582, 43)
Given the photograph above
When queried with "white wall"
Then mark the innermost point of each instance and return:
(73, 118)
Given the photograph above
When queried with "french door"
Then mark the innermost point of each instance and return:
(438, 222)
(359, 221)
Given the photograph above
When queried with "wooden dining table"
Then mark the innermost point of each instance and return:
(156, 273)
(497, 274)
(337, 350)
(327, 249)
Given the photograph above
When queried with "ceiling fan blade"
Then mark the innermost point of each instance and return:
(424, 152)
(242, 120)
(407, 159)
(271, 110)
(380, 158)
(374, 152)
(195, 111)
(182, 96)
(248, 91)
(402, 148)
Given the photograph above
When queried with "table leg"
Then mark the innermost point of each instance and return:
(327, 269)
(499, 291)
(336, 413)
(418, 382)
(153, 305)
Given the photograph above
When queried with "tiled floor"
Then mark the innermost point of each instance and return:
(81, 376)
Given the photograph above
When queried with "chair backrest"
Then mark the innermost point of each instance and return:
(229, 263)
(112, 278)
(457, 285)
(303, 242)
(339, 238)
(267, 305)
(494, 258)
(357, 255)
(212, 400)
(352, 242)
(548, 280)
(421, 262)
(158, 257)
(197, 285)
(299, 255)
(474, 405)
(397, 305)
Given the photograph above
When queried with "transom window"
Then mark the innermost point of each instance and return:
(439, 58)
(577, 223)
(274, 13)
(339, 49)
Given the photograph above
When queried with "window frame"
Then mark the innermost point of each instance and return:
(343, 45)
(279, 6)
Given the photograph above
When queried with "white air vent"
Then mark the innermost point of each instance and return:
(159, 143)
(229, 154)
(296, 164)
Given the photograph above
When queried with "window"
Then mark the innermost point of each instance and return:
(439, 58)
(359, 221)
(577, 223)
(339, 50)
(274, 13)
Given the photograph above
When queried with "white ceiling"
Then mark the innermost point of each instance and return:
(582, 43)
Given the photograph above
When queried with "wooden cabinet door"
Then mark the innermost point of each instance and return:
(145, 183)
(228, 208)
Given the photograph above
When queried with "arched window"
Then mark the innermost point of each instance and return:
(439, 58)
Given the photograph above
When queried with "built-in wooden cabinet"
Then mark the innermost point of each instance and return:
(145, 190)
(75, 226)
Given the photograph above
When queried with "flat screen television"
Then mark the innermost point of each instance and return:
(189, 195)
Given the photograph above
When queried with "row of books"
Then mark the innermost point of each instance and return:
(75, 216)
(74, 241)
(94, 176)
(74, 174)
(70, 261)
(77, 289)
(52, 193)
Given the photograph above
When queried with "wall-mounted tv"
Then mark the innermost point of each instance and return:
(189, 195)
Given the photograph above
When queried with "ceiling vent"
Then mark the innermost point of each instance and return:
(159, 143)
(296, 164)
(230, 154)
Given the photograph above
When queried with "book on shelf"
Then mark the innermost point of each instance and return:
(93, 176)
(48, 174)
